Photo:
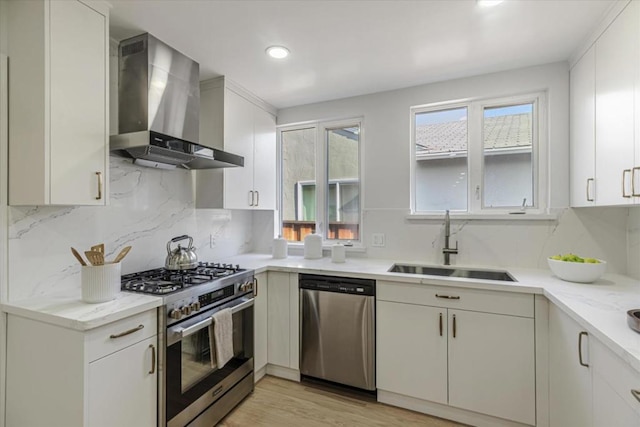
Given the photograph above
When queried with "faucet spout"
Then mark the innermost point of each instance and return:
(447, 251)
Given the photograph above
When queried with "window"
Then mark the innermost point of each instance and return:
(479, 157)
(320, 180)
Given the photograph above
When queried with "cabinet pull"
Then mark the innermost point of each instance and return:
(99, 185)
(454, 325)
(130, 331)
(580, 335)
(257, 198)
(633, 182)
(251, 197)
(440, 324)
(636, 394)
(153, 359)
(624, 187)
(589, 199)
(255, 287)
(447, 296)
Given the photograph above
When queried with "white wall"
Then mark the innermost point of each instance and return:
(386, 136)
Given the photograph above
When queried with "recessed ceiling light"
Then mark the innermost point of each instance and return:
(489, 3)
(277, 52)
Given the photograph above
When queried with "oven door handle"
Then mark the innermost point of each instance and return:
(185, 332)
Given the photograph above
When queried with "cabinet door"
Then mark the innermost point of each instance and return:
(616, 57)
(582, 130)
(569, 382)
(492, 365)
(122, 388)
(260, 322)
(264, 152)
(411, 351)
(278, 319)
(78, 90)
(238, 139)
(609, 409)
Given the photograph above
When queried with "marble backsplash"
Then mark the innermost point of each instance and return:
(148, 207)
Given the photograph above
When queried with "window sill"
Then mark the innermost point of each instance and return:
(299, 246)
(484, 217)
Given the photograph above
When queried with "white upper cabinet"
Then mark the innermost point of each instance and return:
(582, 111)
(58, 103)
(605, 110)
(235, 121)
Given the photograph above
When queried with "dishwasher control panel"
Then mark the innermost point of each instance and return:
(347, 285)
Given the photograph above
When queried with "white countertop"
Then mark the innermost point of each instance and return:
(600, 308)
(69, 311)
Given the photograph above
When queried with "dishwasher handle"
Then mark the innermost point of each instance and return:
(344, 285)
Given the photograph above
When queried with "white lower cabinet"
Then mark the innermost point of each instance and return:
(283, 325)
(122, 387)
(483, 362)
(260, 318)
(570, 387)
(102, 377)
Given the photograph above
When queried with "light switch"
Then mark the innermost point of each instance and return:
(377, 240)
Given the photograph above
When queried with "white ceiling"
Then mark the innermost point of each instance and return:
(347, 48)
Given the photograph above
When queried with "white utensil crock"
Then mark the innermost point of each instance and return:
(100, 283)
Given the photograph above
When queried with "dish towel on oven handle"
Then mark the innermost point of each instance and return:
(221, 338)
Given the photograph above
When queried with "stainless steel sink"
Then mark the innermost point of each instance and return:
(452, 272)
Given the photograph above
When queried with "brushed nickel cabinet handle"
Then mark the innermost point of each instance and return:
(257, 198)
(440, 324)
(589, 199)
(580, 335)
(153, 359)
(125, 333)
(636, 394)
(251, 197)
(454, 325)
(255, 287)
(633, 182)
(99, 185)
(624, 187)
(447, 296)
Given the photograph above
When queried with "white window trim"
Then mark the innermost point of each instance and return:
(321, 146)
(475, 166)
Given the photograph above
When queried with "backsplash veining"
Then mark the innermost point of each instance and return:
(148, 207)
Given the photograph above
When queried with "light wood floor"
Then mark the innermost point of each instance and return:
(282, 403)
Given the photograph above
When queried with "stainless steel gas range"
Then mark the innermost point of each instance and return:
(190, 391)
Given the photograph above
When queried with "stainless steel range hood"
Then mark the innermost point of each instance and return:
(159, 109)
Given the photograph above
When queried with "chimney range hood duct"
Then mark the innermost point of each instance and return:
(159, 109)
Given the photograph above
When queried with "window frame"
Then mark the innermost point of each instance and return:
(476, 158)
(322, 173)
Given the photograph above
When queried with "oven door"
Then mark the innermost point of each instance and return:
(192, 385)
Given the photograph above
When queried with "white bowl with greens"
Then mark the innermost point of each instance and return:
(573, 268)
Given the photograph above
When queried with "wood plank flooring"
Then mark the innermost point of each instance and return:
(282, 403)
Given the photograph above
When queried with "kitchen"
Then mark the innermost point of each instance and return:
(147, 207)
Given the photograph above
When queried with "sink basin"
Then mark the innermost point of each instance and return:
(452, 272)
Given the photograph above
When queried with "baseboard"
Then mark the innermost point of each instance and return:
(259, 374)
(282, 372)
(443, 411)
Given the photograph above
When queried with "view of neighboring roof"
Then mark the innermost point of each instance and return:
(500, 133)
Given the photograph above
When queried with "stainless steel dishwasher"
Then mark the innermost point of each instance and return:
(337, 330)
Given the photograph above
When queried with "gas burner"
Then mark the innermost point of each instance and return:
(161, 281)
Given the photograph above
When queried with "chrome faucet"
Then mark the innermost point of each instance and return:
(447, 251)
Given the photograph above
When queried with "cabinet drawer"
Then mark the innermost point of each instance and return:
(616, 372)
(121, 334)
(510, 303)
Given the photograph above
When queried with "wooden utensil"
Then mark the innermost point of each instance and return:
(95, 257)
(78, 256)
(98, 248)
(122, 254)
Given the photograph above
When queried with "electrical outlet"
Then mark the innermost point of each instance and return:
(212, 241)
(377, 240)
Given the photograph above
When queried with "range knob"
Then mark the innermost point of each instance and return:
(186, 310)
(176, 313)
(195, 306)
